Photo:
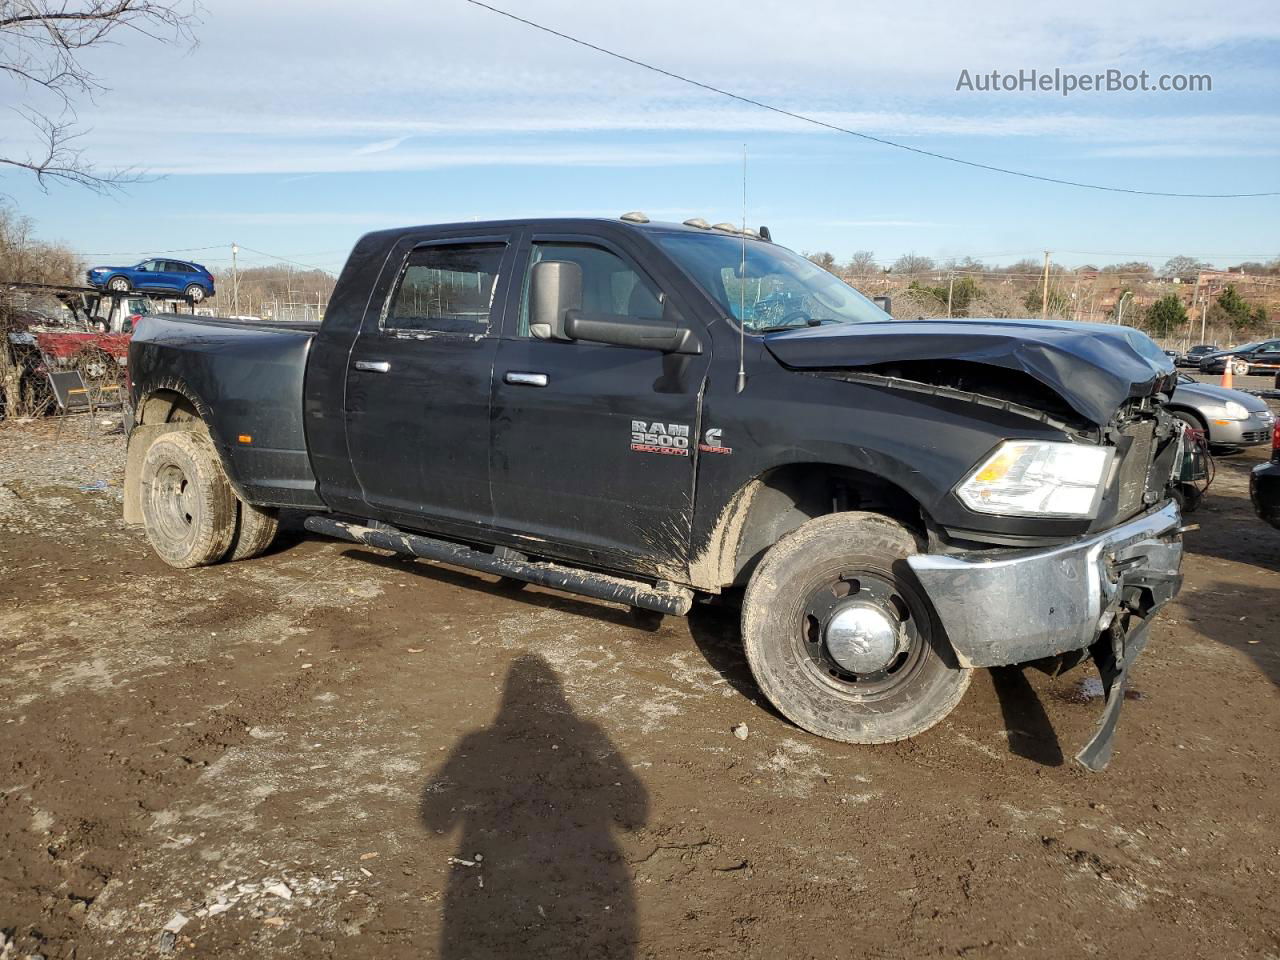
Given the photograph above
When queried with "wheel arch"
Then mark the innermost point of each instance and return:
(1191, 412)
(777, 501)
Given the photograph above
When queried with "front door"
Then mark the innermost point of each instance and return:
(594, 446)
(418, 384)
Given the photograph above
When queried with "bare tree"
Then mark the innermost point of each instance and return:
(910, 263)
(42, 43)
(823, 259)
(1183, 267)
(862, 264)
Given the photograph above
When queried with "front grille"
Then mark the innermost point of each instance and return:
(1256, 436)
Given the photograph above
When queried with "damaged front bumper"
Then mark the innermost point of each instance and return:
(1096, 594)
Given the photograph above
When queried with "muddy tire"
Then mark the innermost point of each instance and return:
(256, 529)
(841, 638)
(187, 504)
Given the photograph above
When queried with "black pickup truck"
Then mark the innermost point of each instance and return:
(655, 414)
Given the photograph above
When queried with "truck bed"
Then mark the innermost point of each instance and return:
(245, 378)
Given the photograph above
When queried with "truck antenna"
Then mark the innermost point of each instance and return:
(742, 283)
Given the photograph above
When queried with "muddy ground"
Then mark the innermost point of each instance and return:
(327, 752)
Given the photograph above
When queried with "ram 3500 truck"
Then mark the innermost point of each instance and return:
(657, 413)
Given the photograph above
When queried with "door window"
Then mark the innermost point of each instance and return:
(609, 285)
(445, 289)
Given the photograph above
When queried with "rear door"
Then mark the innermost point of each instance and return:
(594, 446)
(418, 382)
(177, 275)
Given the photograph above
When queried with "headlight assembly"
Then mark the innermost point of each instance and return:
(1235, 411)
(1034, 478)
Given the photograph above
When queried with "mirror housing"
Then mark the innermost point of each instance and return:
(555, 288)
(667, 333)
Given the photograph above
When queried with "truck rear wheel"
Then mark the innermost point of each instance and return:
(256, 528)
(840, 637)
(187, 504)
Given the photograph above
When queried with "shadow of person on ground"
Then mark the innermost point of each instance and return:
(538, 795)
(1031, 734)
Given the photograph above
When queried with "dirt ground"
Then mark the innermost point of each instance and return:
(327, 752)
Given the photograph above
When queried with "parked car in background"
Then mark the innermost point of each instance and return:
(1192, 357)
(1173, 355)
(1264, 484)
(1262, 357)
(177, 276)
(1229, 418)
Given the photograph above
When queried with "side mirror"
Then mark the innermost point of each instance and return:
(555, 288)
(668, 333)
(885, 304)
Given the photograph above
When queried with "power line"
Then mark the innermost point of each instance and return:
(153, 253)
(855, 133)
(272, 256)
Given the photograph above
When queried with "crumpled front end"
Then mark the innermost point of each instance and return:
(1094, 594)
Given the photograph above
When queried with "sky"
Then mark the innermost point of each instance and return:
(293, 126)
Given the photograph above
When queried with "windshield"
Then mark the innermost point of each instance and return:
(779, 290)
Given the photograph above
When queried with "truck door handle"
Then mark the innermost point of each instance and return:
(525, 379)
(373, 366)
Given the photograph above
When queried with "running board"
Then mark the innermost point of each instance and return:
(600, 586)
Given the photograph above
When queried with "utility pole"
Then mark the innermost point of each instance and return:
(1044, 292)
(1204, 309)
(950, 289)
(235, 280)
(1195, 294)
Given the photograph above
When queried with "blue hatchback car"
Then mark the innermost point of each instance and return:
(173, 276)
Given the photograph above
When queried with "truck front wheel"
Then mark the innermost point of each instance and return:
(187, 504)
(840, 637)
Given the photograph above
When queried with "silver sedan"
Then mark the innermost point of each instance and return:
(1229, 418)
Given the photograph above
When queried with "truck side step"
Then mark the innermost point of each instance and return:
(663, 599)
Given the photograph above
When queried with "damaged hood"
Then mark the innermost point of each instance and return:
(1094, 367)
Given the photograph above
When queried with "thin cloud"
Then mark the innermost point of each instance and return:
(380, 146)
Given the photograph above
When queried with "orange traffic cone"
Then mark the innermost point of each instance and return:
(1226, 374)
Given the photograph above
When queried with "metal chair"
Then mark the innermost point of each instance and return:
(73, 395)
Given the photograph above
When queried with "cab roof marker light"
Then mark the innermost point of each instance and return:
(635, 216)
(697, 222)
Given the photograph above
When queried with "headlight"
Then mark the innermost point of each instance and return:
(1031, 478)
(1235, 411)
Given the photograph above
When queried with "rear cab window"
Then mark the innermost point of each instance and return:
(445, 289)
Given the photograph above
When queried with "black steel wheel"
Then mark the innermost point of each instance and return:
(840, 637)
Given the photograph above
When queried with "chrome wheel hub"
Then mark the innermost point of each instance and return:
(862, 638)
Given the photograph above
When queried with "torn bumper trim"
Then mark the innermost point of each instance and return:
(1039, 603)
